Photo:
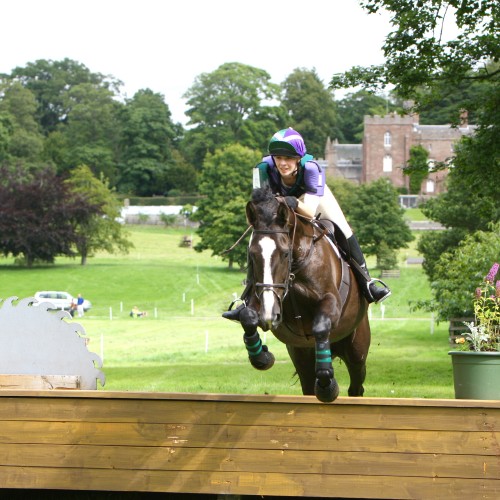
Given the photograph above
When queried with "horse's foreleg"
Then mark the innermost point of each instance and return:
(326, 387)
(258, 354)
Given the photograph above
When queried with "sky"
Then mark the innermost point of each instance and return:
(164, 45)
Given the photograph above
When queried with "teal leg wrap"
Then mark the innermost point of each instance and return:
(258, 353)
(254, 349)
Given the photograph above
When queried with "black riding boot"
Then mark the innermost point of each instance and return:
(234, 314)
(373, 289)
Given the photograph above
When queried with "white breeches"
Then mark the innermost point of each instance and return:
(329, 208)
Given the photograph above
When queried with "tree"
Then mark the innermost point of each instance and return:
(420, 62)
(417, 168)
(226, 184)
(230, 105)
(23, 140)
(426, 67)
(39, 215)
(458, 273)
(311, 109)
(50, 81)
(352, 110)
(345, 192)
(377, 220)
(100, 231)
(147, 143)
(91, 130)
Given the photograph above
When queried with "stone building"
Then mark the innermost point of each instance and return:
(386, 149)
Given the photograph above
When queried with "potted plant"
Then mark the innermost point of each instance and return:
(476, 365)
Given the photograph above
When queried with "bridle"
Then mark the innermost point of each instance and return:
(260, 288)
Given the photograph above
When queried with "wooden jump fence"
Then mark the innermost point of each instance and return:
(249, 445)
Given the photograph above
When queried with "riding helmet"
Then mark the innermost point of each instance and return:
(287, 142)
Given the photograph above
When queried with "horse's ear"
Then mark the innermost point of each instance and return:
(282, 215)
(250, 213)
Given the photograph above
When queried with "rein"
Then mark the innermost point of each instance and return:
(238, 241)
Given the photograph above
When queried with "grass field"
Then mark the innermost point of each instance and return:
(183, 345)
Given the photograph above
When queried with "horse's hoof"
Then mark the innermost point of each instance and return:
(264, 360)
(326, 394)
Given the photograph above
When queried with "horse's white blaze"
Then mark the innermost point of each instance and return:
(268, 247)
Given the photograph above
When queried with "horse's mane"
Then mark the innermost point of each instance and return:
(265, 203)
(262, 195)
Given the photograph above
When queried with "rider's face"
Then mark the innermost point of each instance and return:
(286, 165)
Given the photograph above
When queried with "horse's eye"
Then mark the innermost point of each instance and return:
(285, 255)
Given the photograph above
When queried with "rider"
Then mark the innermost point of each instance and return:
(289, 171)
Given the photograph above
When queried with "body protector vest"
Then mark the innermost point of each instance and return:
(310, 178)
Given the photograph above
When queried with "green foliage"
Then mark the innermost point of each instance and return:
(91, 130)
(433, 244)
(77, 119)
(226, 183)
(386, 257)
(377, 220)
(419, 61)
(461, 72)
(20, 136)
(458, 272)
(344, 191)
(417, 167)
(51, 81)
(147, 139)
(352, 110)
(311, 109)
(168, 219)
(100, 231)
(227, 106)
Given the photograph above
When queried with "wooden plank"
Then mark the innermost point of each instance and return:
(40, 382)
(254, 398)
(132, 458)
(258, 413)
(249, 437)
(320, 485)
(240, 444)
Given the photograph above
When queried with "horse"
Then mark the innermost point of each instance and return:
(306, 295)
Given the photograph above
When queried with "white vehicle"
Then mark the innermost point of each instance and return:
(60, 300)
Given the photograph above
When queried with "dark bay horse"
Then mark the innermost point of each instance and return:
(300, 293)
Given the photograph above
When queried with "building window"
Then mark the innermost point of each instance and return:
(430, 186)
(387, 167)
(387, 139)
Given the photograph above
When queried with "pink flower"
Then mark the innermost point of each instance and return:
(490, 277)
